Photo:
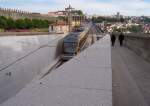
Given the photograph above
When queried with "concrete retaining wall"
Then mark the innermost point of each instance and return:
(22, 33)
(24, 57)
(139, 43)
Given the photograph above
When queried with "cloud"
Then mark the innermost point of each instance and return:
(107, 7)
(102, 7)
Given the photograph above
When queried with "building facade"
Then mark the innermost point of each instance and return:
(59, 27)
(57, 13)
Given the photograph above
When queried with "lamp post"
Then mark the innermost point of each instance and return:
(69, 13)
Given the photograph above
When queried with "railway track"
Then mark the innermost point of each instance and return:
(87, 41)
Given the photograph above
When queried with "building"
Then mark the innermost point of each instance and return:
(118, 16)
(57, 13)
(59, 27)
(146, 28)
(17, 14)
(73, 19)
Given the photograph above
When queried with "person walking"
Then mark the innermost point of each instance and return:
(113, 39)
(121, 39)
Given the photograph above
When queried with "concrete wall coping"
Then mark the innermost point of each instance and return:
(22, 33)
(138, 35)
(85, 80)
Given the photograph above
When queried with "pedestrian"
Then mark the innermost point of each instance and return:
(121, 39)
(113, 39)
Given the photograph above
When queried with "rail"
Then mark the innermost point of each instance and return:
(85, 31)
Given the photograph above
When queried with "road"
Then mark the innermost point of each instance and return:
(131, 77)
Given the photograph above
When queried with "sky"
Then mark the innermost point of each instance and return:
(99, 7)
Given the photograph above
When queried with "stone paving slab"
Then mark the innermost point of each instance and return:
(131, 77)
(61, 96)
(83, 77)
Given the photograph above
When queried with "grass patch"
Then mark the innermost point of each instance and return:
(40, 30)
(1, 30)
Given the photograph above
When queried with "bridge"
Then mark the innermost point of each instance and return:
(98, 76)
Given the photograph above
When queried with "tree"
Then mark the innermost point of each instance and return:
(35, 23)
(45, 24)
(79, 12)
(61, 18)
(3, 22)
(29, 23)
(11, 23)
(20, 24)
(122, 20)
(135, 29)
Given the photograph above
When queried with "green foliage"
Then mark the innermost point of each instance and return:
(1, 30)
(20, 24)
(98, 20)
(35, 23)
(107, 19)
(29, 23)
(146, 19)
(3, 22)
(40, 23)
(9, 23)
(122, 20)
(135, 29)
(79, 12)
(62, 18)
(132, 29)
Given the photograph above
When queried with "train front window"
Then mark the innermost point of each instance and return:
(70, 47)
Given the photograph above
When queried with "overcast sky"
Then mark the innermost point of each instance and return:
(100, 7)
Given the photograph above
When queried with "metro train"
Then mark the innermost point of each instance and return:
(77, 40)
(73, 43)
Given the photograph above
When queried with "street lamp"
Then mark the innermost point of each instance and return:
(69, 13)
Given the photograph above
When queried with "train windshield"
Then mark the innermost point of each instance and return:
(70, 47)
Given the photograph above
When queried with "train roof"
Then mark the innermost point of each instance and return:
(72, 37)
